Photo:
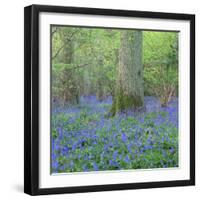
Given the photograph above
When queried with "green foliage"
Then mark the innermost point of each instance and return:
(159, 47)
(85, 62)
(161, 65)
(95, 52)
(65, 87)
(164, 87)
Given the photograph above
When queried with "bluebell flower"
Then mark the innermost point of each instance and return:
(115, 154)
(85, 169)
(65, 150)
(113, 163)
(171, 150)
(95, 166)
(127, 159)
(124, 137)
(55, 164)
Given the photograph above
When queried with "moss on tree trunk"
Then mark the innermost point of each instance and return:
(129, 91)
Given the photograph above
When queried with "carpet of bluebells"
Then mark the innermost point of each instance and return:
(84, 139)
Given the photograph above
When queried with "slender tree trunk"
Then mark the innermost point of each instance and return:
(100, 92)
(68, 52)
(100, 85)
(71, 91)
(129, 91)
(86, 81)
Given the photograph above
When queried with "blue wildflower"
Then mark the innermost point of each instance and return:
(115, 155)
(124, 137)
(95, 166)
(127, 159)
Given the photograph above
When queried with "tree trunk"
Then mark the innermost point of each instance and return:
(68, 52)
(100, 92)
(71, 90)
(86, 82)
(100, 85)
(129, 91)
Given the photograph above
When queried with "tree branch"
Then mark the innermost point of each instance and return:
(78, 66)
(68, 39)
(59, 50)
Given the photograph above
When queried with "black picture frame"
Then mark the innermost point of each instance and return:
(31, 98)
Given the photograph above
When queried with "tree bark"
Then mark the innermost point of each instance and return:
(71, 90)
(68, 52)
(129, 91)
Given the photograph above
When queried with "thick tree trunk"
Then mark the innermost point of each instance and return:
(129, 92)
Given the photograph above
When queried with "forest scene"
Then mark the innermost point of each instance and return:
(114, 99)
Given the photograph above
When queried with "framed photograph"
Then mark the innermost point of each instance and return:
(109, 99)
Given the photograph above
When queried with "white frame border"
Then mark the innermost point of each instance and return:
(112, 177)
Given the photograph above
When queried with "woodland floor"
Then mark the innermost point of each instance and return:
(84, 139)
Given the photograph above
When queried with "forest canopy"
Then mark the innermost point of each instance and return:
(85, 62)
